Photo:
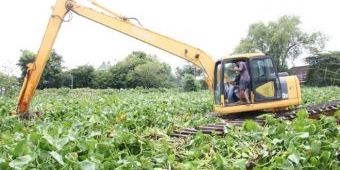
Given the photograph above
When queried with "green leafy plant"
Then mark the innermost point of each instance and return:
(130, 129)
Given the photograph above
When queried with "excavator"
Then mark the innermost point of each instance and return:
(269, 90)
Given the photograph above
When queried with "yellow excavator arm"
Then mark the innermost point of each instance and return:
(110, 19)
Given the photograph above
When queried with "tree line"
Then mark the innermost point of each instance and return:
(138, 69)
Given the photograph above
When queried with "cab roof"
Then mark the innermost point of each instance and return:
(245, 55)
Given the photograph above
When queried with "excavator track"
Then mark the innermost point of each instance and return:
(219, 128)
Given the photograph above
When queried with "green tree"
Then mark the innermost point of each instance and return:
(282, 39)
(83, 76)
(324, 69)
(101, 79)
(9, 85)
(140, 69)
(104, 66)
(190, 83)
(66, 79)
(192, 70)
(51, 75)
(25, 58)
(188, 69)
(150, 75)
(119, 72)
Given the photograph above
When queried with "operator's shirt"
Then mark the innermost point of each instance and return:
(244, 72)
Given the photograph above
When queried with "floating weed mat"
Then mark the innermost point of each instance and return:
(130, 129)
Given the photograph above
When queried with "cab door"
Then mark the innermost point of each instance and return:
(218, 83)
(264, 80)
(223, 75)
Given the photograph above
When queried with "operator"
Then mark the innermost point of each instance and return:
(230, 87)
(244, 80)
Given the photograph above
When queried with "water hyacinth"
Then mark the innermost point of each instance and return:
(130, 129)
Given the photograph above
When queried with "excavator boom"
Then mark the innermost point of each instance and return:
(115, 22)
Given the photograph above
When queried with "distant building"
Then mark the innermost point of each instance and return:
(105, 66)
(300, 72)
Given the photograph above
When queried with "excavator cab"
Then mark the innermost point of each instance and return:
(268, 89)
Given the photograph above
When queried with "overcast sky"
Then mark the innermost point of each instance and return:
(214, 26)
